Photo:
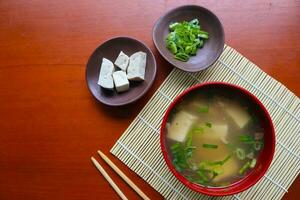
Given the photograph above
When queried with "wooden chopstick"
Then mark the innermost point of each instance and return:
(107, 177)
(123, 176)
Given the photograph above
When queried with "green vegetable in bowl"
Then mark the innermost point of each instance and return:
(185, 38)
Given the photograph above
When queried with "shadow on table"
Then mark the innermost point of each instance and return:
(117, 111)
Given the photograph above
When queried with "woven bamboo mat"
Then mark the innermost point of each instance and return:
(139, 147)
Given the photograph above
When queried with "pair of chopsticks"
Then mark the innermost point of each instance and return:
(120, 173)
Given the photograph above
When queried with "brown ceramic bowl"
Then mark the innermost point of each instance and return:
(110, 49)
(209, 22)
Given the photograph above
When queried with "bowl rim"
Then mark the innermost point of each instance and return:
(217, 191)
(219, 52)
(137, 97)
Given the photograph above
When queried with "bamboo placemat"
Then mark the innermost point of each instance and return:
(139, 146)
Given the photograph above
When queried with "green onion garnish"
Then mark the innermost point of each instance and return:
(240, 153)
(189, 139)
(226, 159)
(175, 146)
(253, 163)
(202, 175)
(248, 139)
(250, 155)
(185, 38)
(221, 162)
(208, 124)
(197, 130)
(210, 146)
(244, 168)
(203, 109)
(257, 145)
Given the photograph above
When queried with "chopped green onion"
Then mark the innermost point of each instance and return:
(203, 109)
(197, 130)
(208, 124)
(200, 181)
(202, 35)
(221, 162)
(189, 151)
(182, 56)
(202, 175)
(194, 22)
(173, 26)
(244, 168)
(250, 155)
(217, 171)
(246, 138)
(257, 145)
(253, 163)
(226, 159)
(175, 146)
(172, 47)
(185, 38)
(240, 153)
(210, 146)
(201, 43)
(210, 169)
(189, 139)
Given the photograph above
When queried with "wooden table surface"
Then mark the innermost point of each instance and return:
(50, 125)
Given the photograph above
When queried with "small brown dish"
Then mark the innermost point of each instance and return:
(110, 49)
(209, 22)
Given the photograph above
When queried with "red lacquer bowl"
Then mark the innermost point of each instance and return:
(264, 160)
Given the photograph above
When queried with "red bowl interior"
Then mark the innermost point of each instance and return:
(264, 159)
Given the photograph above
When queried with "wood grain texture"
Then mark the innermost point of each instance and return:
(50, 125)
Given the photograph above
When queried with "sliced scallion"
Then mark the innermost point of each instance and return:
(185, 38)
(208, 124)
(221, 162)
(203, 109)
(253, 163)
(198, 130)
(250, 155)
(245, 167)
(210, 146)
(202, 175)
(175, 146)
(182, 56)
(257, 145)
(240, 153)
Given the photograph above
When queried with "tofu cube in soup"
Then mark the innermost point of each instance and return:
(122, 61)
(120, 80)
(239, 115)
(105, 75)
(137, 66)
(180, 126)
(220, 131)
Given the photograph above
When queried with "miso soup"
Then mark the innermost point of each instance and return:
(214, 138)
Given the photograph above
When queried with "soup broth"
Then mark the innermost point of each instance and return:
(213, 138)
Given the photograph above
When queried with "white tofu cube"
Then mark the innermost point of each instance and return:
(180, 126)
(239, 115)
(105, 76)
(220, 131)
(137, 66)
(122, 61)
(120, 80)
